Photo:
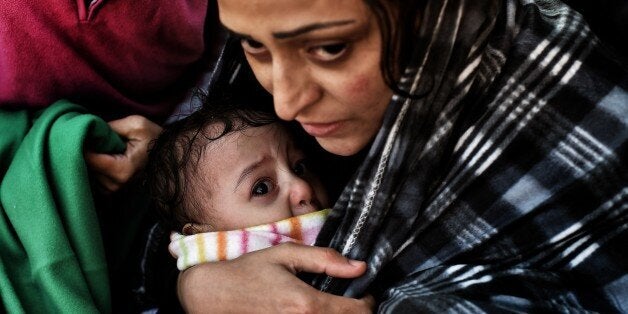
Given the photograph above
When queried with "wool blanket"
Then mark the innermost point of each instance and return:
(51, 258)
(502, 185)
(190, 250)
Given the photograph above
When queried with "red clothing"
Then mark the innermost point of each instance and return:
(114, 57)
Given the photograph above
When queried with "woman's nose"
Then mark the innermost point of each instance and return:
(293, 90)
(302, 197)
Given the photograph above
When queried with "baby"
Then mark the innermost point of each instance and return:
(230, 181)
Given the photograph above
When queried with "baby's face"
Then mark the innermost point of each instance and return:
(258, 176)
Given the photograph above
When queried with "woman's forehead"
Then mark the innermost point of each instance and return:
(287, 15)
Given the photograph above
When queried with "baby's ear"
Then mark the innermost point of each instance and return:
(192, 228)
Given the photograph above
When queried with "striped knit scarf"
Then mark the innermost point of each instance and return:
(226, 245)
(503, 188)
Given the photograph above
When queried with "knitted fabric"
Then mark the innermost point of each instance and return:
(226, 245)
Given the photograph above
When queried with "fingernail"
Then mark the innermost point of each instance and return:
(355, 263)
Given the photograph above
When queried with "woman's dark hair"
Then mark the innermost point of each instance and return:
(400, 39)
(232, 78)
(170, 174)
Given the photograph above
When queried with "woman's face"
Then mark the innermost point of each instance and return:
(320, 59)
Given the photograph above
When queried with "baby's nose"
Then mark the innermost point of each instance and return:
(302, 198)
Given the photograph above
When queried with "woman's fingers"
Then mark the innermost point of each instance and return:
(264, 282)
(329, 303)
(302, 258)
(114, 170)
(105, 183)
(135, 128)
(369, 302)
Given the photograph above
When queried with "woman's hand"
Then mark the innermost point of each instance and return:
(264, 282)
(113, 171)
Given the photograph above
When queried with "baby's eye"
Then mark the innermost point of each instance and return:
(262, 187)
(299, 168)
(329, 52)
(252, 46)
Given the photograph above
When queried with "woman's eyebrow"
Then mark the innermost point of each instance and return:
(310, 27)
(237, 35)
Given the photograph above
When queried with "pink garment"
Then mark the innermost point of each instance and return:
(114, 57)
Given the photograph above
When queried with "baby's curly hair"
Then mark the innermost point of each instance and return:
(170, 173)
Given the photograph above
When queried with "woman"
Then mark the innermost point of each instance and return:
(495, 178)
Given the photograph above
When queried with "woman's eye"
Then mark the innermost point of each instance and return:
(262, 187)
(329, 52)
(252, 46)
(299, 168)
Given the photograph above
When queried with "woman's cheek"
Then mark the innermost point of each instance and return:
(358, 88)
(359, 85)
(368, 95)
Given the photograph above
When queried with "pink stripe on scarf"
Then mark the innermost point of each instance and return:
(277, 239)
(244, 242)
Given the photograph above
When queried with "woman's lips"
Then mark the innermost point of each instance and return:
(321, 129)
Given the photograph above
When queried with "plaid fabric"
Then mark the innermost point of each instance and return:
(504, 186)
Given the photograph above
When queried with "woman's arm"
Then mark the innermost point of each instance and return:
(265, 281)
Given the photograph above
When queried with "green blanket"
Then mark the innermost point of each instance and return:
(51, 251)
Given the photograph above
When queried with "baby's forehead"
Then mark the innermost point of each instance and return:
(246, 128)
(239, 132)
(237, 125)
(246, 146)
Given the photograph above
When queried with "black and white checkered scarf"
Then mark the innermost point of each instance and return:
(505, 186)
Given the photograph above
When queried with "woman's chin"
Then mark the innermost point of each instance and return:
(341, 146)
